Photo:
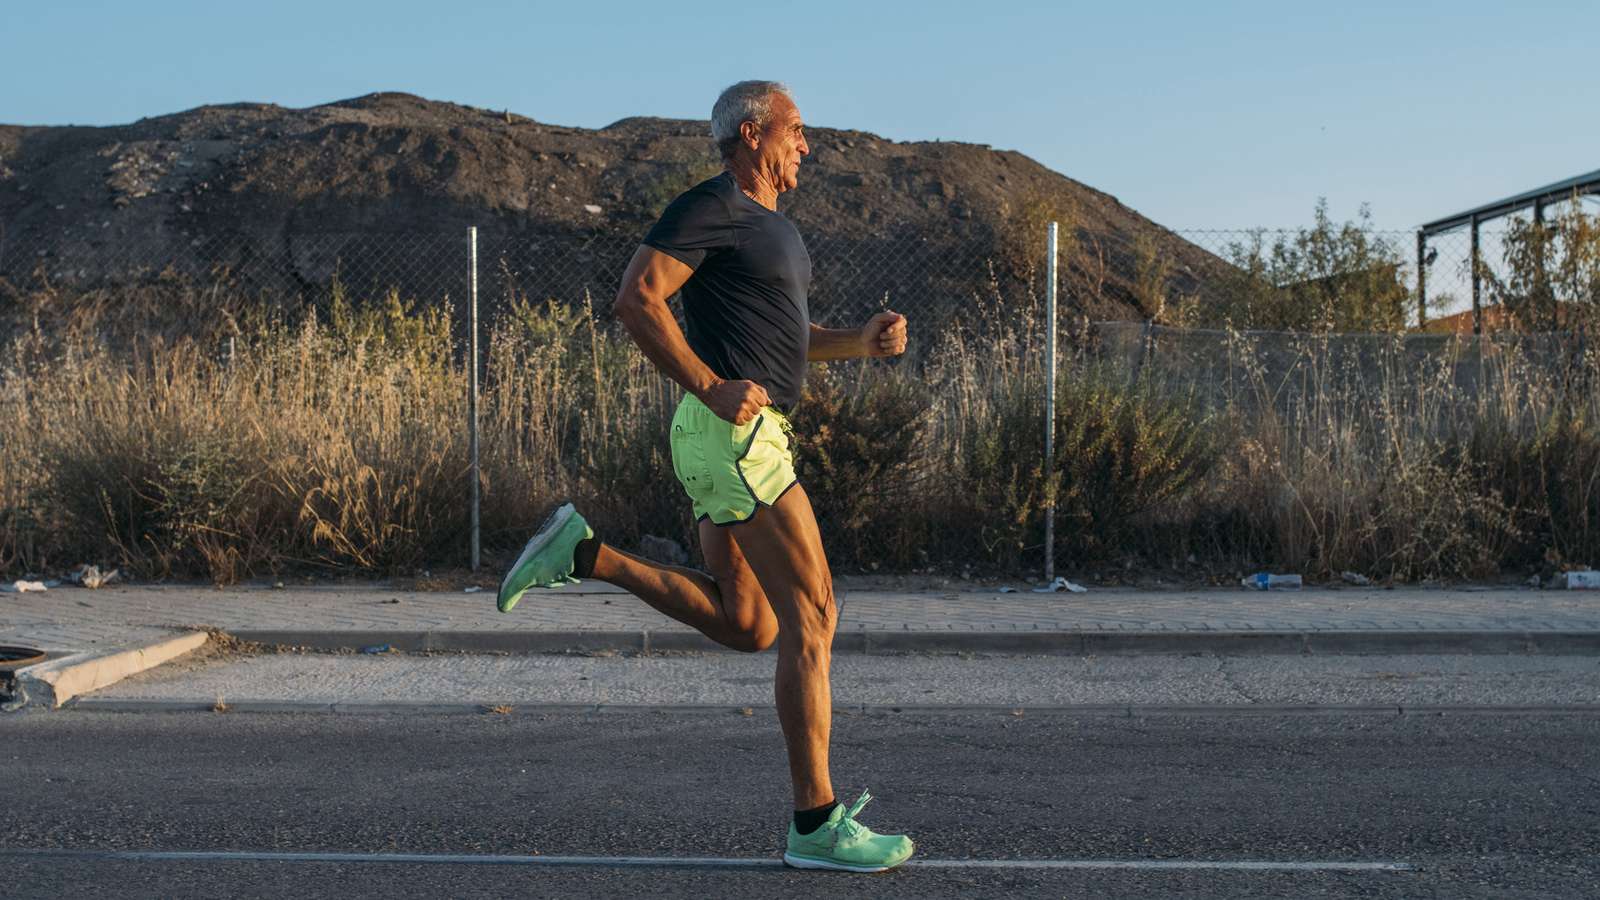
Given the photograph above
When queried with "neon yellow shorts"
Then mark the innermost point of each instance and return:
(729, 470)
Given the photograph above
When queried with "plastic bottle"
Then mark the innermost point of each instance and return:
(1583, 581)
(1263, 581)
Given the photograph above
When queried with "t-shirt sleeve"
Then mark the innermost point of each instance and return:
(693, 227)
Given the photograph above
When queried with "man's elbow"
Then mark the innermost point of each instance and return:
(633, 305)
(629, 303)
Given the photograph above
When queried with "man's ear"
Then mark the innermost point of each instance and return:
(750, 133)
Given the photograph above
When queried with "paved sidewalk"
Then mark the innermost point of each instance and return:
(69, 618)
(97, 638)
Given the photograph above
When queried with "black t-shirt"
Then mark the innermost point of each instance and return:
(745, 304)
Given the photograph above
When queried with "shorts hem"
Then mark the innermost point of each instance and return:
(760, 504)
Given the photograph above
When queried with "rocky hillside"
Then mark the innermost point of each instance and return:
(381, 188)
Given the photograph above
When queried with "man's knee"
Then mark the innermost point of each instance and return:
(815, 618)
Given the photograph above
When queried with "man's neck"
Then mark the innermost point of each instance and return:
(754, 186)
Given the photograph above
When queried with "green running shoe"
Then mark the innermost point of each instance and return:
(547, 560)
(843, 843)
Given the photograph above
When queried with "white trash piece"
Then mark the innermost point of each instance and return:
(91, 576)
(1008, 589)
(1061, 584)
(1587, 580)
(23, 587)
(1263, 581)
(1355, 578)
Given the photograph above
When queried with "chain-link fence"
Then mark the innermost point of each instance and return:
(1249, 278)
(1192, 278)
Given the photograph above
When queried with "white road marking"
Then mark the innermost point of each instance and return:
(693, 862)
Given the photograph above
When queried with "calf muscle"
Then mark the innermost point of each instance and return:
(784, 550)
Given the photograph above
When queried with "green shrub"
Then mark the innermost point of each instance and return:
(1124, 453)
(860, 450)
(999, 496)
(1550, 482)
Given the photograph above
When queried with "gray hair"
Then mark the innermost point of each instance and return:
(747, 101)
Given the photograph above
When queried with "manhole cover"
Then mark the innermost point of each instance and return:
(17, 657)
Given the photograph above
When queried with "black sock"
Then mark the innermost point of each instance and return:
(583, 557)
(809, 820)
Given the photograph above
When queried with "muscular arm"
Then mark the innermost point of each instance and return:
(651, 279)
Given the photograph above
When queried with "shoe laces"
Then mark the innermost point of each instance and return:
(847, 823)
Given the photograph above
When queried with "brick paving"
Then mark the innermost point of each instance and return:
(70, 618)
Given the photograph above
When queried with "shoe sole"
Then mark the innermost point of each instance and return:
(806, 862)
(552, 526)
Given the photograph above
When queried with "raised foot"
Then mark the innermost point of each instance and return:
(546, 561)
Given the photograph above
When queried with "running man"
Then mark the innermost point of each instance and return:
(743, 272)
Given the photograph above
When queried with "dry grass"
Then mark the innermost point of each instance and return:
(1464, 462)
(336, 443)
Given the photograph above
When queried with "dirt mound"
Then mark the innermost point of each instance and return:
(296, 192)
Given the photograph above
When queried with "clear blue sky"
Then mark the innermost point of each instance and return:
(1218, 115)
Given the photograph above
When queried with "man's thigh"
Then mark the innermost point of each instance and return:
(783, 549)
(743, 600)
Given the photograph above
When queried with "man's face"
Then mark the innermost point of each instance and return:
(783, 143)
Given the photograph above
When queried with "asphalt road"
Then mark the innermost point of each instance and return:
(1480, 804)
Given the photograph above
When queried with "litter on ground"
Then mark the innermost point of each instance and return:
(91, 576)
(22, 587)
(1265, 581)
(1582, 581)
(1061, 584)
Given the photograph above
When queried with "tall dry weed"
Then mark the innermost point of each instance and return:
(337, 440)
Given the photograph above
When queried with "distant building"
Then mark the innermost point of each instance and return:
(1495, 318)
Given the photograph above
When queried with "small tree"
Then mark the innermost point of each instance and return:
(1329, 277)
(1552, 278)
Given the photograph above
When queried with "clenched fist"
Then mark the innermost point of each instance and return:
(884, 334)
(735, 401)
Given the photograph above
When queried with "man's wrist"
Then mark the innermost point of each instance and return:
(705, 389)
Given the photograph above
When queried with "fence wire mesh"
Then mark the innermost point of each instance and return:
(1218, 275)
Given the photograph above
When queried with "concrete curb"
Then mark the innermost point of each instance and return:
(91, 704)
(56, 681)
(1059, 643)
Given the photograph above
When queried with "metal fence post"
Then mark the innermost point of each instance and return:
(1050, 407)
(1422, 278)
(1477, 283)
(472, 364)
